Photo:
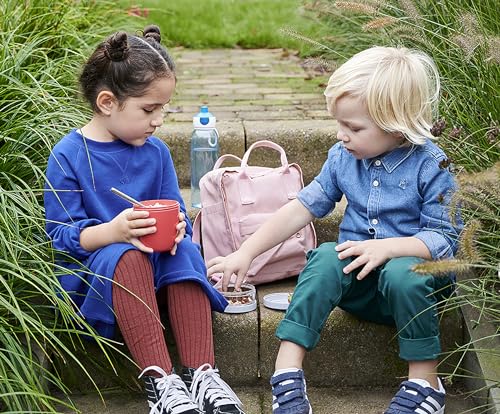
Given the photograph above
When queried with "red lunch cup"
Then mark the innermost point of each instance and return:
(166, 213)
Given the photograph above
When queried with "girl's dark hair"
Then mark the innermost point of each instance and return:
(126, 65)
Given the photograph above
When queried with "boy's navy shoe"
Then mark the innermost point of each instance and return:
(167, 394)
(413, 397)
(289, 392)
(210, 392)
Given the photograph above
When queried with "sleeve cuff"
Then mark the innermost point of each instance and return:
(315, 200)
(68, 240)
(436, 243)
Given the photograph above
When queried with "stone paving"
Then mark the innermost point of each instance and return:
(238, 84)
(258, 401)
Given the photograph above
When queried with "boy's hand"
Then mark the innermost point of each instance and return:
(129, 225)
(236, 263)
(371, 254)
(181, 232)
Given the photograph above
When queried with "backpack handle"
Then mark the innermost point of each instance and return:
(225, 157)
(266, 144)
(245, 185)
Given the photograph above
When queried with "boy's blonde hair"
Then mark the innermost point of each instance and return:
(399, 86)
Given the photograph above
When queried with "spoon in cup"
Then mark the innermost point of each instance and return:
(126, 197)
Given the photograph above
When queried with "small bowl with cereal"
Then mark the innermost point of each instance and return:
(239, 301)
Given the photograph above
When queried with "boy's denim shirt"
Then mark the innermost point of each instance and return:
(402, 193)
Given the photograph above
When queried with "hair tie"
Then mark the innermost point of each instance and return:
(152, 32)
(116, 47)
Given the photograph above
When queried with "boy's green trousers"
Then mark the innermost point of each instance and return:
(391, 294)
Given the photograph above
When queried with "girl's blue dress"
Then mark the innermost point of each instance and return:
(80, 173)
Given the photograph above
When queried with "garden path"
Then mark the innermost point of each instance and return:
(242, 84)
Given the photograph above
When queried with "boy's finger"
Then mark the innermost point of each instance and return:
(343, 246)
(214, 262)
(239, 280)
(226, 279)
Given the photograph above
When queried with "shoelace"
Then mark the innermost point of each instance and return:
(174, 395)
(208, 383)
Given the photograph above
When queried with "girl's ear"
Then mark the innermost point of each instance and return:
(105, 102)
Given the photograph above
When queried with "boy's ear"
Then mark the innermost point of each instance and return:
(105, 102)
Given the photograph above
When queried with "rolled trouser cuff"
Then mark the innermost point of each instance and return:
(422, 349)
(298, 334)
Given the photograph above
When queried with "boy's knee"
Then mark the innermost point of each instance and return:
(326, 255)
(324, 261)
(398, 278)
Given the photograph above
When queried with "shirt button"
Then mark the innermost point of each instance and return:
(378, 162)
(376, 183)
(375, 221)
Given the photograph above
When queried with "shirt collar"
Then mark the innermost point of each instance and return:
(392, 159)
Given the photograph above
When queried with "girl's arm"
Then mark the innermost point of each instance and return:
(69, 226)
(280, 226)
(126, 227)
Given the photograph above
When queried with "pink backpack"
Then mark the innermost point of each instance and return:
(237, 200)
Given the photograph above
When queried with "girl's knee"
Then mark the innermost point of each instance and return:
(134, 255)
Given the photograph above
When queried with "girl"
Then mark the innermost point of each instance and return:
(127, 81)
(396, 184)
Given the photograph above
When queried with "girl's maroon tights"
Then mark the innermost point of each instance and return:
(136, 310)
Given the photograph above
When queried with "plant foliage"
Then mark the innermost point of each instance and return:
(42, 45)
(463, 38)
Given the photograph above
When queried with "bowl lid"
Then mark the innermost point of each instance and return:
(277, 301)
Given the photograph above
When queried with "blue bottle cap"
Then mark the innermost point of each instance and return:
(204, 115)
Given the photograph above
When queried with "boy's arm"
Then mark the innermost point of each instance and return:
(289, 219)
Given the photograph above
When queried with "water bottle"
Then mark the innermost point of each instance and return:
(204, 150)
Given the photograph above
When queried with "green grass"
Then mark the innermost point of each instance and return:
(232, 23)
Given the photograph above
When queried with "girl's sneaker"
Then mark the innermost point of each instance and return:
(417, 396)
(289, 392)
(167, 394)
(210, 392)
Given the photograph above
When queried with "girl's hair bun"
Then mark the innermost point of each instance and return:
(152, 32)
(116, 47)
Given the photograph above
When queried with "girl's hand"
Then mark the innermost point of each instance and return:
(181, 232)
(236, 263)
(129, 225)
(370, 254)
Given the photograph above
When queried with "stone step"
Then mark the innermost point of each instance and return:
(306, 143)
(257, 400)
(246, 346)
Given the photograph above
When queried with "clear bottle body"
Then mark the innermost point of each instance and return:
(204, 154)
